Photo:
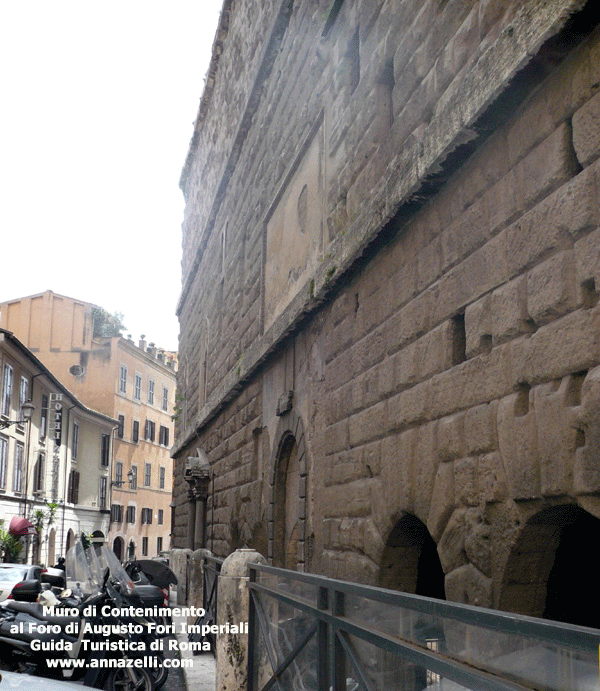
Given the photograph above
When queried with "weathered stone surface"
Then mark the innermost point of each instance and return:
(451, 546)
(586, 478)
(551, 288)
(445, 311)
(468, 585)
(586, 131)
(517, 443)
(442, 500)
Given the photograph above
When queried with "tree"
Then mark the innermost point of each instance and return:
(106, 324)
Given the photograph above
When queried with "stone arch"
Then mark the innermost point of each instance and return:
(410, 561)
(548, 571)
(118, 547)
(287, 495)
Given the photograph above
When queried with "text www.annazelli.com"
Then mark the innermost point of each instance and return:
(146, 661)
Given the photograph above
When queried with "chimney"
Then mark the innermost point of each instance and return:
(142, 343)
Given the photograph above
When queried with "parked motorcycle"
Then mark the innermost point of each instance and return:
(85, 637)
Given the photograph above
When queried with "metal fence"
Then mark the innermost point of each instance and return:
(210, 591)
(310, 633)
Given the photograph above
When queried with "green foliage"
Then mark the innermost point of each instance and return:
(10, 546)
(106, 324)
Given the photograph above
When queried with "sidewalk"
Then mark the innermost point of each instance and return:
(201, 676)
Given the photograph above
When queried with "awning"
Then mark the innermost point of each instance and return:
(21, 526)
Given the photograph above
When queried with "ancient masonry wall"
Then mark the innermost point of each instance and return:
(452, 372)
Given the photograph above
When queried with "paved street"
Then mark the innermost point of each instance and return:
(176, 681)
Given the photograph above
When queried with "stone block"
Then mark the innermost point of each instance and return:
(587, 268)
(478, 327)
(442, 500)
(466, 584)
(491, 480)
(480, 429)
(406, 366)
(409, 407)
(586, 131)
(557, 436)
(551, 288)
(368, 424)
(550, 164)
(351, 499)
(509, 310)
(425, 466)
(477, 540)
(451, 547)
(465, 482)
(517, 444)
(586, 471)
(396, 487)
(450, 437)
(566, 345)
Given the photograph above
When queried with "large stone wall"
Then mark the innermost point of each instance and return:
(443, 355)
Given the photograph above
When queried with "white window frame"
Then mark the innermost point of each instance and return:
(151, 385)
(3, 461)
(123, 379)
(19, 459)
(7, 381)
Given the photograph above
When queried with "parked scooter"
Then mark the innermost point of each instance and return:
(85, 637)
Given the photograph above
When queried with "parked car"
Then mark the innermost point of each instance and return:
(11, 574)
(25, 682)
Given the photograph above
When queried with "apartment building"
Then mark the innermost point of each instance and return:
(134, 384)
(54, 456)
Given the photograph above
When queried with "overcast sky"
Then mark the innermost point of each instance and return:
(98, 104)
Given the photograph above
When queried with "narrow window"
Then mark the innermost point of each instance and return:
(137, 392)
(161, 481)
(121, 427)
(7, 389)
(147, 474)
(44, 417)
(123, 380)
(135, 434)
(165, 399)
(18, 469)
(119, 473)
(38, 474)
(104, 459)
(133, 484)
(102, 494)
(144, 546)
(3, 461)
(75, 443)
(151, 392)
(160, 517)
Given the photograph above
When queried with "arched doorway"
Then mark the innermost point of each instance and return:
(288, 517)
(70, 540)
(286, 505)
(410, 560)
(549, 573)
(118, 547)
(410, 563)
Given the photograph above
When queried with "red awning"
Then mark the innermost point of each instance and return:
(21, 526)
